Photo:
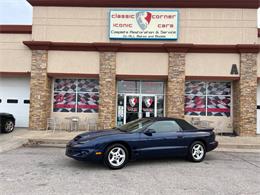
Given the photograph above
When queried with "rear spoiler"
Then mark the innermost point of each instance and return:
(207, 130)
(203, 130)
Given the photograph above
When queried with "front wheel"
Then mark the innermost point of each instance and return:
(116, 156)
(197, 152)
(8, 126)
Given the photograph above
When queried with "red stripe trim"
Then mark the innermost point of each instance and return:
(10, 74)
(253, 4)
(213, 78)
(88, 106)
(209, 110)
(16, 29)
(142, 77)
(65, 106)
(76, 75)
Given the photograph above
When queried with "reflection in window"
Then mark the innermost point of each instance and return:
(128, 86)
(195, 105)
(165, 126)
(208, 98)
(76, 95)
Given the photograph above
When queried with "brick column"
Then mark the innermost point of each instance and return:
(107, 89)
(244, 96)
(175, 85)
(40, 95)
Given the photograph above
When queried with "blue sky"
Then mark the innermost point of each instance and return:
(20, 12)
(15, 12)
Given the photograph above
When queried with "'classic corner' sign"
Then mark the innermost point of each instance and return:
(144, 24)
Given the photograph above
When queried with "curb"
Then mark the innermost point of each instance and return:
(12, 146)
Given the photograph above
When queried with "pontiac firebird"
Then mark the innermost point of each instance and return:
(143, 138)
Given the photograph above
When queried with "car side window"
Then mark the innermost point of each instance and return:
(165, 126)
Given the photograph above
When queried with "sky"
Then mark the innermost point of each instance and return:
(20, 12)
(15, 12)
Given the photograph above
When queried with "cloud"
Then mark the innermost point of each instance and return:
(15, 12)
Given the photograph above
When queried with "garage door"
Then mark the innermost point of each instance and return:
(14, 99)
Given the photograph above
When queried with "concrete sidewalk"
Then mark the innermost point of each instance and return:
(22, 137)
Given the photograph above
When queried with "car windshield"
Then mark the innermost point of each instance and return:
(135, 125)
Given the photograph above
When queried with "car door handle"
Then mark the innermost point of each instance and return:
(179, 136)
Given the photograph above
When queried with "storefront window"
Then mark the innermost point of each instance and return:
(151, 87)
(139, 99)
(76, 95)
(208, 98)
(128, 86)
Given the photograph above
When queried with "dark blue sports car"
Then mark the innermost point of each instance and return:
(143, 138)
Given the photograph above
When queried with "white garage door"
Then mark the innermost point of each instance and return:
(14, 99)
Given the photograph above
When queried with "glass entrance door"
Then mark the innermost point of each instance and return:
(131, 108)
(149, 103)
(139, 106)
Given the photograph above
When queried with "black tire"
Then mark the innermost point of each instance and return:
(8, 126)
(194, 156)
(121, 151)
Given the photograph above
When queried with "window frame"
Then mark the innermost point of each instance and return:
(76, 92)
(206, 95)
(170, 121)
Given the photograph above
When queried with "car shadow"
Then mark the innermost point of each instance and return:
(99, 166)
(85, 164)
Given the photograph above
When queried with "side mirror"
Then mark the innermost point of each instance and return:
(149, 132)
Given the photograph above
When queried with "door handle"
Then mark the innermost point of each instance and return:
(179, 136)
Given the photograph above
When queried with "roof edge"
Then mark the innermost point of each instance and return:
(250, 4)
(16, 29)
(152, 48)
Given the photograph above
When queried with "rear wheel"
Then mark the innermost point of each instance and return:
(116, 156)
(8, 126)
(197, 152)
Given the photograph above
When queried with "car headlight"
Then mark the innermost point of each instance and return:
(83, 142)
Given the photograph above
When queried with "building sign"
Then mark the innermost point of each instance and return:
(143, 24)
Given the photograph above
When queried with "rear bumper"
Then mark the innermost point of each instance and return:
(212, 146)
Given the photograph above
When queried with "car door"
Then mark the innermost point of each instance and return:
(162, 138)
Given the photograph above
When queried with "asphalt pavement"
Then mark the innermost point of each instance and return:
(48, 171)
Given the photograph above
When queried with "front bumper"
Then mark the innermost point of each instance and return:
(82, 154)
(212, 145)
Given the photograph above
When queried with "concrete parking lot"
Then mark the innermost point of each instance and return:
(48, 171)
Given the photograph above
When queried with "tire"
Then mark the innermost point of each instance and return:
(197, 152)
(8, 126)
(116, 156)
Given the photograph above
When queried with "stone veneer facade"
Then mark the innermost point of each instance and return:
(107, 90)
(245, 93)
(40, 95)
(175, 85)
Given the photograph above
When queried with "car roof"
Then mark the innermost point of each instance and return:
(164, 118)
(181, 122)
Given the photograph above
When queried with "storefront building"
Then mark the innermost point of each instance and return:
(116, 61)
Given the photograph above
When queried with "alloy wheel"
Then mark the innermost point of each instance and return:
(197, 151)
(9, 126)
(117, 156)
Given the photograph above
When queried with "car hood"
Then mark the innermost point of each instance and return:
(95, 134)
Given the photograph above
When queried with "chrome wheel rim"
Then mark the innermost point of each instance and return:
(9, 126)
(117, 156)
(197, 151)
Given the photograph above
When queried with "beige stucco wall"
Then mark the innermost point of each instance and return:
(258, 65)
(84, 118)
(208, 26)
(208, 64)
(142, 63)
(77, 62)
(220, 124)
(14, 55)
